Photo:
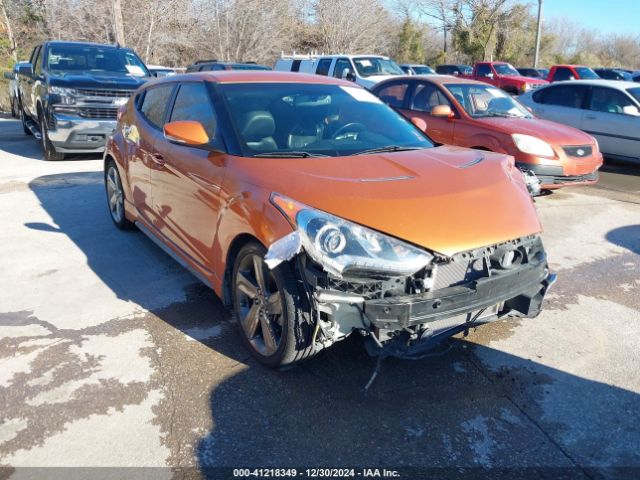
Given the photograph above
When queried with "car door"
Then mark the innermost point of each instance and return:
(143, 135)
(423, 97)
(187, 185)
(486, 74)
(561, 103)
(613, 118)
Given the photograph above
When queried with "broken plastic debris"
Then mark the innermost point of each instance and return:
(283, 249)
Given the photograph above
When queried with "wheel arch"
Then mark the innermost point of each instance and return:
(232, 252)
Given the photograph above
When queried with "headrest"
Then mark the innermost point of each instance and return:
(257, 125)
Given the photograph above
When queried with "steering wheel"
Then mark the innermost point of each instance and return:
(352, 128)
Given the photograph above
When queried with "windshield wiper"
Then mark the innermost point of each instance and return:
(288, 155)
(501, 115)
(390, 148)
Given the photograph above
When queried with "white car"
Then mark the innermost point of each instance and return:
(607, 109)
(365, 70)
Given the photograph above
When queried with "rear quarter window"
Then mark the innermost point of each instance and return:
(323, 67)
(154, 104)
(571, 96)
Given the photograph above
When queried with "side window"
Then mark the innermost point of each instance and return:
(571, 96)
(563, 73)
(342, 64)
(394, 94)
(193, 103)
(484, 70)
(323, 66)
(608, 100)
(426, 96)
(37, 63)
(295, 66)
(154, 104)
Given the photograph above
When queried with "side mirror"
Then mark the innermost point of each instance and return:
(442, 111)
(186, 132)
(348, 75)
(631, 110)
(420, 123)
(9, 75)
(455, 73)
(489, 75)
(26, 69)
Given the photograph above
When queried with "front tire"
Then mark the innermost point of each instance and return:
(115, 197)
(48, 149)
(271, 312)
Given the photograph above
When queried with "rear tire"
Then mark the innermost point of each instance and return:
(270, 301)
(48, 149)
(23, 118)
(115, 197)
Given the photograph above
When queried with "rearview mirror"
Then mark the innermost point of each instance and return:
(442, 111)
(420, 123)
(26, 69)
(8, 75)
(631, 110)
(186, 132)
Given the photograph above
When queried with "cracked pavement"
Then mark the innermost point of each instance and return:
(112, 355)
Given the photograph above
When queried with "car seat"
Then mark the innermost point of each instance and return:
(257, 130)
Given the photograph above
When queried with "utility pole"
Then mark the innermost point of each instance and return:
(537, 52)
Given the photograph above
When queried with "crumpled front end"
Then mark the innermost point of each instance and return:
(405, 316)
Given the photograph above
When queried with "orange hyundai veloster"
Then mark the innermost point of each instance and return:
(315, 211)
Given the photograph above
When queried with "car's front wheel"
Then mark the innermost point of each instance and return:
(115, 197)
(50, 153)
(271, 311)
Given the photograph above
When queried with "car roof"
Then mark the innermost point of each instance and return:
(84, 44)
(569, 65)
(255, 76)
(617, 84)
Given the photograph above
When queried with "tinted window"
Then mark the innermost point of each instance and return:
(342, 64)
(635, 92)
(81, 58)
(154, 104)
(571, 96)
(323, 67)
(37, 62)
(608, 100)
(484, 70)
(192, 103)
(563, 73)
(442, 69)
(393, 94)
(586, 73)
(426, 96)
(295, 66)
(505, 69)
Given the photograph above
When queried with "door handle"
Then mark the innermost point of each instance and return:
(157, 159)
(590, 117)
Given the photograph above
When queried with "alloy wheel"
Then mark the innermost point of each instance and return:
(259, 304)
(115, 194)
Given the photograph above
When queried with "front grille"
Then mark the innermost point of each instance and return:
(104, 93)
(579, 151)
(98, 112)
(536, 85)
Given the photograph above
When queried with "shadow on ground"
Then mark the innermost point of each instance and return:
(221, 409)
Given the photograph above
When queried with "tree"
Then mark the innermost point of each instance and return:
(410, 48)
(13, 48)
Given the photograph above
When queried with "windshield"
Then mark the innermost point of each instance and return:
(368, 66)
(505, 69)
(75, 58)
(299, 119)
(635, 92)
(481, 101)
(423, 70)
(586, 73)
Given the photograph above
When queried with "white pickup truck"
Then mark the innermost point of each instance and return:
(365, 70)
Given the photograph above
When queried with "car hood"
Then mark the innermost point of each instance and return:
(445, 199)
(104, 80)
(550, 132)
(521, 78)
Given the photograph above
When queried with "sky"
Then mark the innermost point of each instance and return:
(607, 16)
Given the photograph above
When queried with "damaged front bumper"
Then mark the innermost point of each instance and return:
(462, 292)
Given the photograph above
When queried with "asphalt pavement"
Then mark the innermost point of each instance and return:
(112, 355)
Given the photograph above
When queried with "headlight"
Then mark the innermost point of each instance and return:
(532, 145)
(344, 248)
(525, 87)
(62, 95)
